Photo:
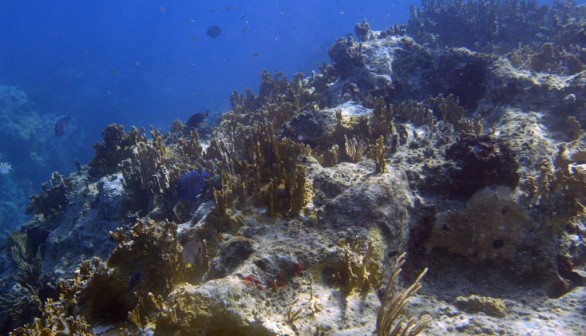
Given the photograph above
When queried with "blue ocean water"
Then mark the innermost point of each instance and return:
(148, 62)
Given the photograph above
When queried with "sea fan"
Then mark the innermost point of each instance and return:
(5, 167)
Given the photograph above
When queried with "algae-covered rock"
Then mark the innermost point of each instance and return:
(219, 307)
(232, 253)
(351, 196)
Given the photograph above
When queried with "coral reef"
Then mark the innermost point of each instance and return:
(55, 321)
(496, 26)
(463, 150)
(116, 146)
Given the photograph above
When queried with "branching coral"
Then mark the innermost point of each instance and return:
(560, 188)
(55, 321)
(377, 153)
(102, 290)
(382, 120)
(23, 301)
(549, 58)
(53, 200)
(363, 270)
(276, 102)
(487, 22)
(116, 147)
(257, 163)
(354, 149)
(449, 110)
(389, 320)
(189, 149)
(150, 171)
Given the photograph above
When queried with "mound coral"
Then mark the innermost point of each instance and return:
(491, 226)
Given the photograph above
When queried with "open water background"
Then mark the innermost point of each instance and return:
(147, 62)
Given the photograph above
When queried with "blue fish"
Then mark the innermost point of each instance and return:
(191, 185)
(214, 31)
(134, 279)
(61, 125)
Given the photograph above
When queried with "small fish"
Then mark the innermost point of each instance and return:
(214, 31)
(5, 168)
(61, 125)
(242, 17)
(197, 119)
(134, 280)
(244, 29)
(192, 252)
(191, 185)
(256, 54)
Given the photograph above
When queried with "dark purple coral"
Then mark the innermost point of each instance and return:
(480, 162)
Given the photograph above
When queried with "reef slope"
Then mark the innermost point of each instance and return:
(463, 150)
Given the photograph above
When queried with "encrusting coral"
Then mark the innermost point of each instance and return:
(488, 305)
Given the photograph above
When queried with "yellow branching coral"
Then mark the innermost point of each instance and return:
(382, 119)
(189, 149)
(54, 321)
(389, 320)
(354, 149)
(377, 153)
(223, 198)
(255, 162)
(363, 270)
(331, 157)
(116, 147)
